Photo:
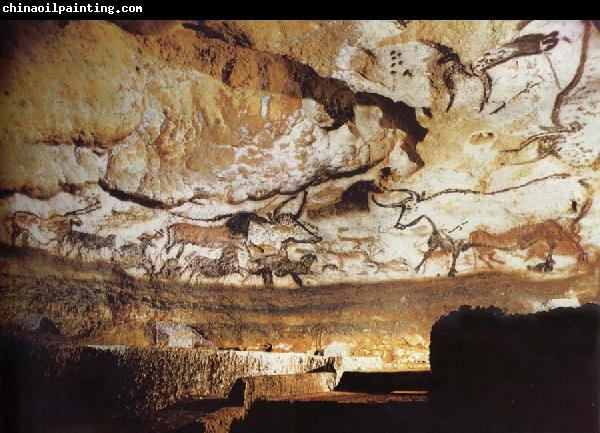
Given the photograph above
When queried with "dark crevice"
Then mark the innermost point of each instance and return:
(398, 115)
(327, 176)
(334, 95)
(70, 188)
(136, 198)
(354, 199)
(222, 31)
(5, 193)
(227, 71)
(339, 101)
(263, 69)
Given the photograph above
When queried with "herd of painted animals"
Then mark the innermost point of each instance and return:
(540, 239)
(451, 232)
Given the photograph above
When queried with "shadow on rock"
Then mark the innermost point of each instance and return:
(529, 373)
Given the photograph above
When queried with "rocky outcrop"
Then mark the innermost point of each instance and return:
(121, 380)
(178, 335)
(250, 389)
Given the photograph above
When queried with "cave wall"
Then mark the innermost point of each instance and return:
(244, 155)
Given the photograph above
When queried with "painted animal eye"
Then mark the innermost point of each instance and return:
(574, 205)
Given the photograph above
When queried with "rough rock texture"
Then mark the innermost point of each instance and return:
(282, 154)
(156, 145)
(118, 380)
(256, 388)
(96, 305)
(177, 335)
(158, 125)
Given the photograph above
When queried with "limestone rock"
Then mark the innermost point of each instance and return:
(178, 335)
(196, 123)
(283, 385)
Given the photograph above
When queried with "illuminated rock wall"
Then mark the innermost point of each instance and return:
(245, 155)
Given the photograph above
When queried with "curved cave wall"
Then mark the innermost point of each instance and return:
(312, 186)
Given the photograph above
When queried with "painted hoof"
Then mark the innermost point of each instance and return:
(541, 267)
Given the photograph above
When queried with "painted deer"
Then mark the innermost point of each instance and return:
(329, 249)
(59, 225)
(180, 234)
(274, 229)
(81, 241)
(281, 228)
(226, 264)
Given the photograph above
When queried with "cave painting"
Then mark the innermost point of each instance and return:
(305, 172)
(459, 235)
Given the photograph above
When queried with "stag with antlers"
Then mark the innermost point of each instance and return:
(134, 254)
(80, 241)
(273, 229)
(227, 263)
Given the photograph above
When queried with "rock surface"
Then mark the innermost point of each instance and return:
(120, 380)
(95, 304)
(281, 385)
(281, 154)
(126, 142)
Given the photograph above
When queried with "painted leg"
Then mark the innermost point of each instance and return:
(455, 254)
(426, 256)
(296, 279)
(267, 277)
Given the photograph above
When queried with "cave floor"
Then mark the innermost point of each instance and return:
(303, 413)
(335, 411)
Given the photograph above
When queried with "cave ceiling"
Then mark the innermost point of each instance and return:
(303, 153)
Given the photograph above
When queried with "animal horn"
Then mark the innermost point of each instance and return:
(90, 208)
(408, 191)
(393, 205)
